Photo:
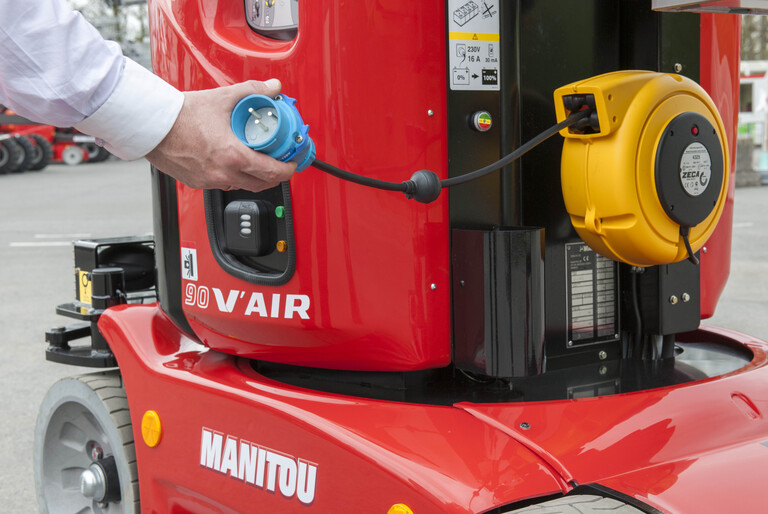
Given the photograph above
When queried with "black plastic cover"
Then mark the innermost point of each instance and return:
(250, 228)
(670, 298)
(498, 301)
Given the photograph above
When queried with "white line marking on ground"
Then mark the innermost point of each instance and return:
(33, 244)
(61, 236)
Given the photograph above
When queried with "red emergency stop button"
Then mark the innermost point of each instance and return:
(481, 121)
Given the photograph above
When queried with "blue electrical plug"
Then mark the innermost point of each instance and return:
(274, 127)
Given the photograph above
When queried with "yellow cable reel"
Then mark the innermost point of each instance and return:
(647, 170)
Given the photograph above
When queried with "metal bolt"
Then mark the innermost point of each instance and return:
(603, 370)
(704, 250)
(430, 112)
(678, 67)
(299, 139)
(97, 452)
(525, 426)
(433, 286)
(673, 300)
(686, 298)
(570, 343)
(602, 355)
(462, 283)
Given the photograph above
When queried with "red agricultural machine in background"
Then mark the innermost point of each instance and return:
(23, 146)
(524, 337)
(30, 146)
(71, 147)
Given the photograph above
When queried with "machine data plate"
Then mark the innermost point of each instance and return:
(593, 287)
(473, 45)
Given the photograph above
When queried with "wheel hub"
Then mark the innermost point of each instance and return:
(99, 482)
(93, 483)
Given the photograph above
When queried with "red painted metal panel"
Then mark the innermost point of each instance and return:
(714, 483)
(369, 454)
(720, 51)
(663, 446)
(365, 79)
(659, 445)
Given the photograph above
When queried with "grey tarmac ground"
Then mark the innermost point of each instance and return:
(41, 213)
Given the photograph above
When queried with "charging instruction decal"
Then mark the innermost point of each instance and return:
(473, 45)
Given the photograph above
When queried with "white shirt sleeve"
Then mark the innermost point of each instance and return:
(56, 68)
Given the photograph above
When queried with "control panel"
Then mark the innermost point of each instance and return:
(251, 234)
(276, 19)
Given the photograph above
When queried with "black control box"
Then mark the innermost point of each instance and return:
(250, 228)
(670, 298)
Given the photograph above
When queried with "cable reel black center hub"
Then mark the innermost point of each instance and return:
(689, 169)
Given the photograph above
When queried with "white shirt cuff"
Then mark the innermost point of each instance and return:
(137, 116)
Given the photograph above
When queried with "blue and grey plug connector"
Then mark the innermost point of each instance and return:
(273, 126)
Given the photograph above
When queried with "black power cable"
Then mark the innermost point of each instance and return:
(519, 152)
(684, 233)
(425, 186)
(358, 179)
(636, 347)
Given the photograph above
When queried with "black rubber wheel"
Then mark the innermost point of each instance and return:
(84, 424)
(28, 153)
(9, 155)
(96, 153)
(579, 504)
(103, 155)
(43, 152)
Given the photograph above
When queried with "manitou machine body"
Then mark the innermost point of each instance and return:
(506, 341)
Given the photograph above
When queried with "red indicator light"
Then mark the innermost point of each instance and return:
(695, 130)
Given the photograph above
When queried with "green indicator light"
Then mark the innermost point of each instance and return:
(280, 211)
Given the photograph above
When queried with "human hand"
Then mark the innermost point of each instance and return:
(202, 152)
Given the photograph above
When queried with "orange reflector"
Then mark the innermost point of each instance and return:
(282, 246)
(399, 508)
(151, 429)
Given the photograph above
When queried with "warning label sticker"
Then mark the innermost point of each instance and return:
(473, 45)
(84, 286)
(188, 261)
(695, 169)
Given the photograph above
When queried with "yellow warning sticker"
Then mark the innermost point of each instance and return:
(473, 36)
(83, 286)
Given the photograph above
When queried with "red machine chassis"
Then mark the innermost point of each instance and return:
(233, 440)
(663, 446)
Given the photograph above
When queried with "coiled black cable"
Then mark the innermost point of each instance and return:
(414, 187)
